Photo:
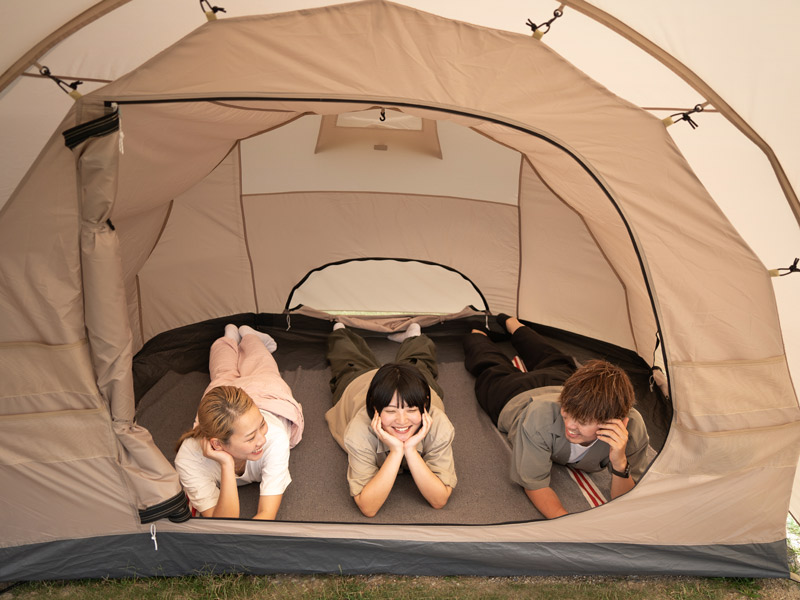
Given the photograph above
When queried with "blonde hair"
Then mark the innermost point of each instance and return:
(218, 412)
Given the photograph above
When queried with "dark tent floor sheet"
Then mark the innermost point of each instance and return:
(171, 373)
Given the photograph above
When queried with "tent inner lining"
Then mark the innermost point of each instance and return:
(443, 110)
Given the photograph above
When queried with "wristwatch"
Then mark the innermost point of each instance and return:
(624, 474)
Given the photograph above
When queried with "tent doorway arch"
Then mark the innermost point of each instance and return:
(383, 286)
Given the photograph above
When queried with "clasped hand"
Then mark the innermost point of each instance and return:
(398, 445)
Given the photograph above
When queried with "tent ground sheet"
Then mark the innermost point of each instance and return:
(319, 490)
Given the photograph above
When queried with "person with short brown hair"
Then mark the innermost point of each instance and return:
(557, 413)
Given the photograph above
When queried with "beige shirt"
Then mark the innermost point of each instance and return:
(351, 427)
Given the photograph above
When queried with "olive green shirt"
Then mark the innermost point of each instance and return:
(533, 423)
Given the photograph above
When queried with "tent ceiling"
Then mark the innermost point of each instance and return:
(746, 53)
(471, 165)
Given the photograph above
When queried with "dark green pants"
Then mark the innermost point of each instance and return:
(349, 357)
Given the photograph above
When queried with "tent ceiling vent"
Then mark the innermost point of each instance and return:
(380, 129)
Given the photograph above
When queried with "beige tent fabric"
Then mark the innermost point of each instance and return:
(140, 234)
(471, 167)
(604, 228)
(147, 470)
(109, 334)
(154, 169)
(343, 225)
(67, 383)
(42, 303)
(201, 267)
(554, 241)
(49, 481)
(681, 262)
(734, 395)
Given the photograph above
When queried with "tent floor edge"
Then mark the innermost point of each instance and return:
(134, 555)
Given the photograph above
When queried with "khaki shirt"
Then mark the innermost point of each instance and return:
(351, 427)
(534, 425)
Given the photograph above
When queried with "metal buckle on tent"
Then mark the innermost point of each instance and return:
(793, 268)
(69, 88)
(685, 116)
(153, 535)
(211, 13)
(540, 30)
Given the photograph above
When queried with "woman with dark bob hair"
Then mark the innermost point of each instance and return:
(389, 418)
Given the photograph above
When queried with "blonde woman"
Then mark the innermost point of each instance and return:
(246, 423)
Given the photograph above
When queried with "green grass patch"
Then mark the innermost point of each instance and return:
(337, 587)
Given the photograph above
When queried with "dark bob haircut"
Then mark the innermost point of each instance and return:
(411, 387)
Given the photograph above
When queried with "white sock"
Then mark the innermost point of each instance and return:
(270, 343)
(232, 332)
(337, 326)
(413, 331)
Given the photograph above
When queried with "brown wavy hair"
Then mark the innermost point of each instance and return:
(597, 392)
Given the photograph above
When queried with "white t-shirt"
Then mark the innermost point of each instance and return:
(200, 476)
(576, 452)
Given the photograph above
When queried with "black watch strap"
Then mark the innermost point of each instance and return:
(624, 474)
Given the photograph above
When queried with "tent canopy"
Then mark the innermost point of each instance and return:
(756, 81)
(560, 201)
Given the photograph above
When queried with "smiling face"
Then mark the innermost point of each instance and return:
(400, 420)
(249, 436)
(577, 432)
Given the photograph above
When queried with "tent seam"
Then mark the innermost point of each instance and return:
(238, 184)
(380, 192)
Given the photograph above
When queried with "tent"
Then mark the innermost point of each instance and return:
(236, 163)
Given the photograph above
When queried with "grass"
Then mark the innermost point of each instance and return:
(793, 544)
(330, 587)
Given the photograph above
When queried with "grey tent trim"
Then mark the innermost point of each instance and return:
(178, 553)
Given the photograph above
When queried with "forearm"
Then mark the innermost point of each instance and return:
(546, 502)
(621, 485)
(620, 462)
(228, 500)
(268, 507)
(374, 494)
(430, 486)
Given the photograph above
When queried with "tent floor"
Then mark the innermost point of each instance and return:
(319, 490)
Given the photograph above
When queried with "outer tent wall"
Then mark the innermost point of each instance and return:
(600, 157)
(94, 456)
